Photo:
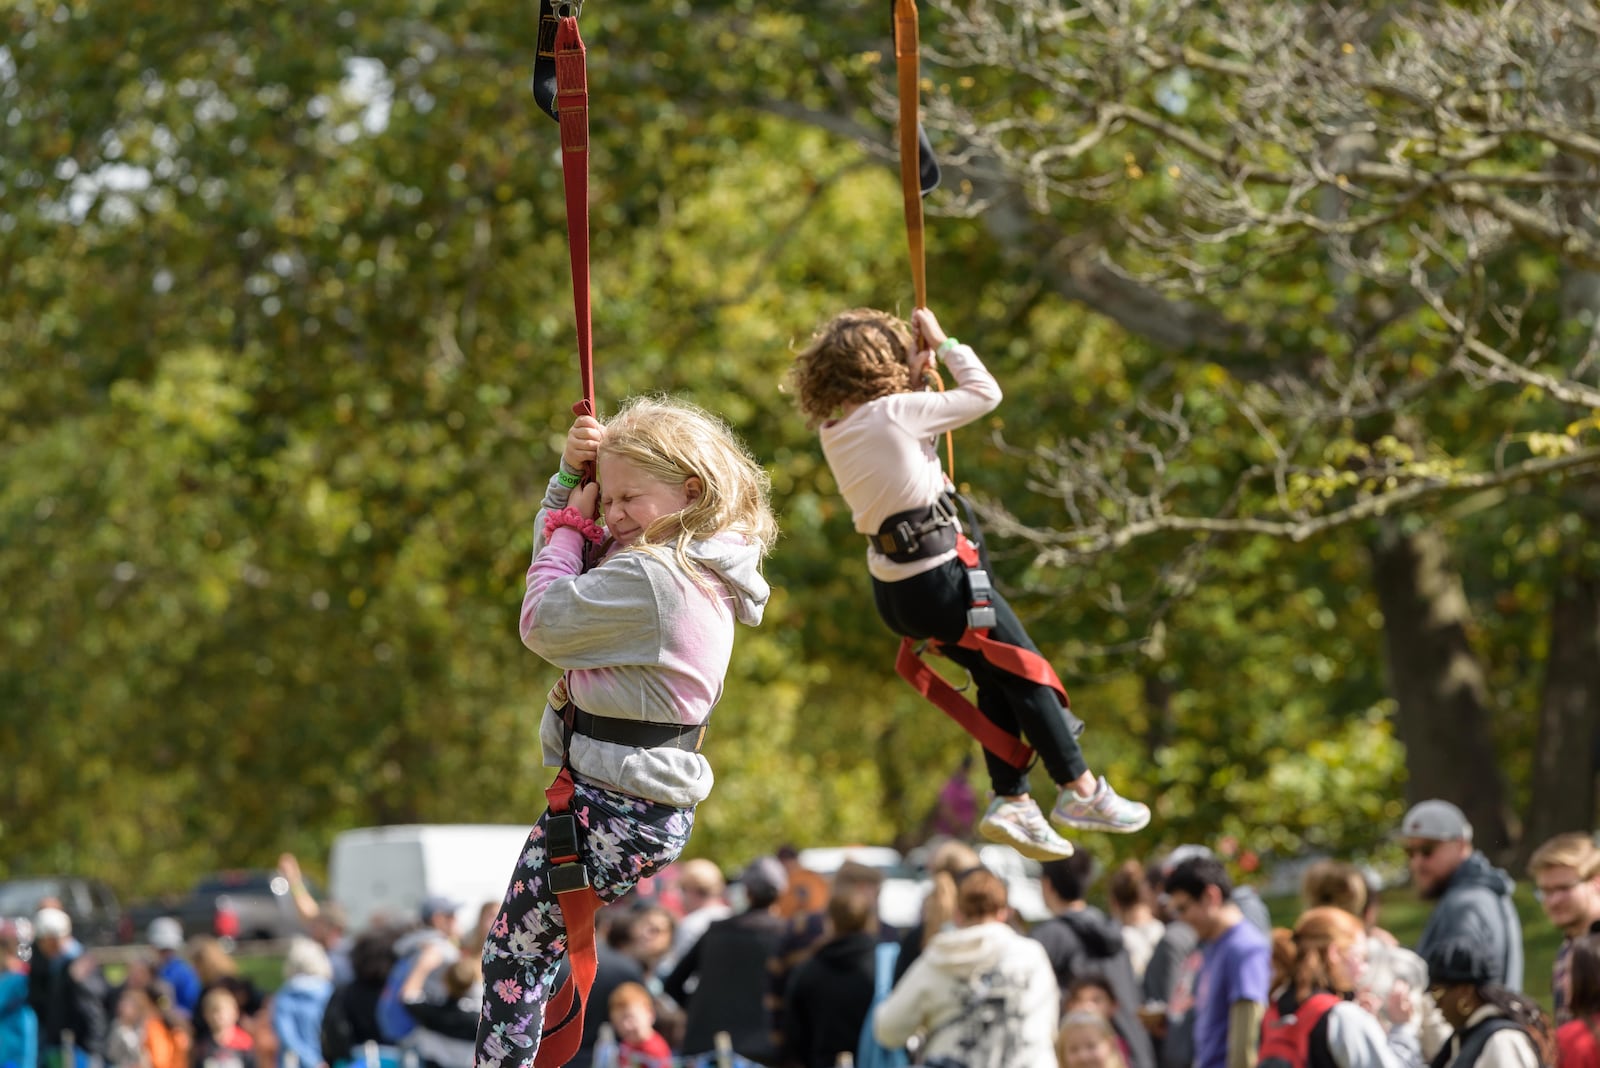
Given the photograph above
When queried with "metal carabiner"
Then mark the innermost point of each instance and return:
(567, 9)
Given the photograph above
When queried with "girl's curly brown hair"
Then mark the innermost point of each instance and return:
(857, 356)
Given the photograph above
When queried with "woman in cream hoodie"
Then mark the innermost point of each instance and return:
(981, 995)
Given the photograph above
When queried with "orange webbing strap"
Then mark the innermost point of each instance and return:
(910, 89)
(560, 1041)
(1008, 658)
(572, 104)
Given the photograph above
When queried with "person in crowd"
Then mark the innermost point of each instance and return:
(445, 998)
(1393, 984)
(806, 892)
(731, 962)
(1494, 1026)
(1092, 993)
(298, 1005)
(1566, 876)
(67, 992)
(1086, 1040)
(950, 860)
(805, 932)
(702, 886)
(350, 1019)
(1471, 897)
(1133, 906)
(434, 937)
(227, 1044)
(217, 968)
(19, 1024)
(1080, 940)
(955, 811)
(830, 994)
(324, 921)
(640, 616)
(165, 935)
(1168, 990)
(1232, 985)
(981, 994)
(138, 969)
(1324, 957)
(633, 1018)
(650, 930)
(1578, 1040)
(860, 383)
(148, 1031)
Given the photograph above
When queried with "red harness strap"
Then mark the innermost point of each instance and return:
(1009, 658)
(572, 103)
(579, 902)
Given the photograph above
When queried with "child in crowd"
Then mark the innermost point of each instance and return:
(860, 382)
(633, 1018)
(640, 615)
(1086, 1040)
(225, 1044)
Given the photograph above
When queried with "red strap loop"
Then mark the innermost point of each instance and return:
(560, 1041)
(1008, 658)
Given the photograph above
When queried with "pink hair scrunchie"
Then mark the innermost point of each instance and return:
(571, 517)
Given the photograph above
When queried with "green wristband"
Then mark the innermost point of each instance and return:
(947, 344)
(569, 481)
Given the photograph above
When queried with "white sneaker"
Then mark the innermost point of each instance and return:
(1105, 810)
(1020, 825)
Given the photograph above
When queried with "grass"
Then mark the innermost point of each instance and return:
(1404, 915)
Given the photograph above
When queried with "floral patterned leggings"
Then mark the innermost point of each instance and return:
(625, 839)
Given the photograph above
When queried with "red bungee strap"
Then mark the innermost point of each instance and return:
(1009, 658)
(572, 108)
(560, 1041)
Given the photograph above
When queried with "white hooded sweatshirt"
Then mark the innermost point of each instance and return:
(983, 996)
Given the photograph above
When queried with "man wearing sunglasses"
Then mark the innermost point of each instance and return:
(1473, 897)
(1566, 870)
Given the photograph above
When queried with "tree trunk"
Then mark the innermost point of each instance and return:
(1564, 759)
(1437, 682)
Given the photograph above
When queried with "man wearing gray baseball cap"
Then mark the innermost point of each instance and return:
(1473, 897)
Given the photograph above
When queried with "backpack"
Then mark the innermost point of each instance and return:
(869, 1054)
(1286, 1031)
(394, 1022)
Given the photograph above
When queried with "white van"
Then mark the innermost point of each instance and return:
(388, 871)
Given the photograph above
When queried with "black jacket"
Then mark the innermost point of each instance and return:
(731, 961)
(828, 999)
(66, 1002)
(1086, 942)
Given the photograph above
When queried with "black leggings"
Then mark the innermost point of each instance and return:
(934, 605)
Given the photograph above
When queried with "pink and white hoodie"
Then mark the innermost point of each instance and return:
(638, 639)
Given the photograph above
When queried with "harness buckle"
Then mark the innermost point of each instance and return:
(981, 615)
(906, 537)
(567, 9)
(566, 878)
(561, 845)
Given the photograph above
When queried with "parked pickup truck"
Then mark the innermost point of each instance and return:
(97, 918)
(240, 904)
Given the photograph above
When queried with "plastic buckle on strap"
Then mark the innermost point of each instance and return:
(561, 844)
(981, 615)
(906, 537)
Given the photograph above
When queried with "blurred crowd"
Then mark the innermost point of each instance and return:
(1165, 964)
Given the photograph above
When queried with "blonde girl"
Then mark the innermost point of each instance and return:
(639, 614)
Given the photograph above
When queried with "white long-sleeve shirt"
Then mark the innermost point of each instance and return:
(884, 454)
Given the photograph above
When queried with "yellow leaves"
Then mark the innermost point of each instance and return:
(1551, 446)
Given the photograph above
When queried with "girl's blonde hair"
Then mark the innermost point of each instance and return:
(1090, 1021)
(1305, 955)
(672, 441)
(857, 356)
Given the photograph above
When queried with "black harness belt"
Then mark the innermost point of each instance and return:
(633, 732)
(918, 533)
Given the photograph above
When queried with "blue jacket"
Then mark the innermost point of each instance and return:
(19, 1026)
(184, 981)
(297, 1018)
